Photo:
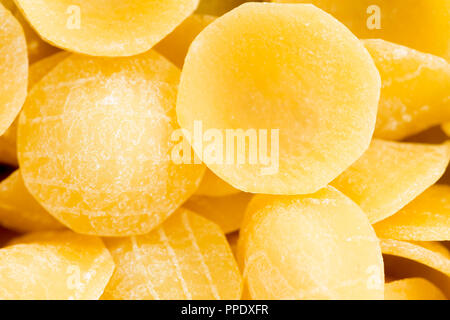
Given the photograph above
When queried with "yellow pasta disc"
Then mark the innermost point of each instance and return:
(415, 87)
(426, 218)
(187, 257)
(245, 80)
(412, 289)
(391, 174)
(54, 266)
(105, 28)
(318, 246)
(422, 24)
(13, 68)
(95, 144)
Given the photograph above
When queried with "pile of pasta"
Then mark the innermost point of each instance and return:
(107, 192)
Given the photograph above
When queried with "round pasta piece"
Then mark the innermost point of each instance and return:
(54, 266)
(270, 87)
(318, 246)
(213, 186)
(391, 174)
(431, 254)
(420, 24)
(227, 211)
(99, 28)
(415, 90)
(8, 141)
(412, 289)
(94, 144)
(426, 218)
(187, 257)
(176, 45)
(37, 48)
(19, 211)
(13, 69)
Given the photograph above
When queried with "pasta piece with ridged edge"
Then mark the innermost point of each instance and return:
(415, 90)
(318, 246)
(54, 266)
(19, 211)
(391, 174)
(187, 257)
(426, 218)
(319, 116)
(412, 289)
(13, 68)
(95, 143)
(112, 28)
